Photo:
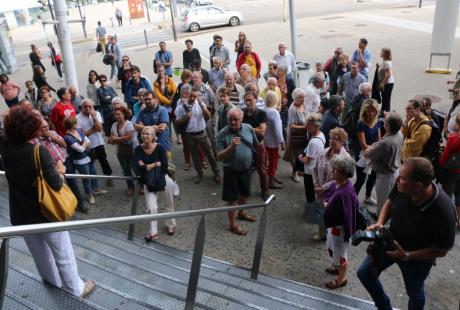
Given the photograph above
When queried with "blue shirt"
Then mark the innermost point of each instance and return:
(330, 121)
(156, 117)
(165, 57)
(367, 58)
(370, 134)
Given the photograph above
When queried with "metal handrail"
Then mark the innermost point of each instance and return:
(16, 231)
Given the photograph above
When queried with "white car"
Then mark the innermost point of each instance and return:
(209, 16)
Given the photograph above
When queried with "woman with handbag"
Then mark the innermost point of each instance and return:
(122, 134)
(296, 133)
(56, 60)
(52, 252)
(450, 161)
(152, 163)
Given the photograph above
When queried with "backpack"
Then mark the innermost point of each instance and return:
(431, 149)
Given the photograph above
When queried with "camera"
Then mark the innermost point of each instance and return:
(380, 240)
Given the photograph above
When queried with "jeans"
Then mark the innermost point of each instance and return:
(262, 166)
(99, 153)
(361, 178)
(89, 185)
(127, 165)
(106, 111)
(70, 169)
(113, 69)
(414, 274)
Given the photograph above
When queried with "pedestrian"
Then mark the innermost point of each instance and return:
(105, 94)
(92, 87)
(239, 44)
(237, 158)
(63, 109)
(119, 16)
(349, 83)
(152, 163)
(101, 36)
(272, 86)
(31, 93)
(39, 78)
(219, 50)
(164, 58)
(362, 56)
(312, 93)
(415, 129)
(286, 85)
(245, 76)
(91, 123)
(9, 90)
(250, 58)
(133, 85)
(386, 79)
(286, 58)
(52, 252)
(75, 98)
(164, 88)
(35, 57)
(216, 74)
(114, 49)
(56, 60)
(47, 103)
(124, 73)
(236, 91)
(189, 55)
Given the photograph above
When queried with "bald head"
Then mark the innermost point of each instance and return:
(229, 79)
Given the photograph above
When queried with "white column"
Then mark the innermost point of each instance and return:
(60, 9)
(444, 26)
(292, 26)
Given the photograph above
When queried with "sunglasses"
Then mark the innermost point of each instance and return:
(103, 81)
(125, 59)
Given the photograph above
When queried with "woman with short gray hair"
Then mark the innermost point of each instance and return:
(314, 149)
(341, 205)
(385, 157)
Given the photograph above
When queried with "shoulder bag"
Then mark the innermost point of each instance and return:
(56, 206)
(125, 150)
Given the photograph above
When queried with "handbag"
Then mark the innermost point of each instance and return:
(58, 58)
(125, 150)
(56, 206)
(363, 218)
(108, 59)
(313, 212)
(181, 124)
(453, 162)
(98, 48)
(298, 138)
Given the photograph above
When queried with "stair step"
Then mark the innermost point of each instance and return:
(242, 289)
(14, 302)
(120, 238)
(30, 288)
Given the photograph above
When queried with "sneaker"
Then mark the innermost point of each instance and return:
(317, 237)
(91, 200)
(99, 192)
(370, 201)
(109, 183)
(176, 190)
(295, 178)
(61, 79)
(83, 209)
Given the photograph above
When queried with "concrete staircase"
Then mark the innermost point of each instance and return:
(135, 275)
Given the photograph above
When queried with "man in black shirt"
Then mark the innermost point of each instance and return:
(423, 226)
(257, 118)
(190, 54)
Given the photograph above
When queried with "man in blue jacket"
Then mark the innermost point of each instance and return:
(134, 84)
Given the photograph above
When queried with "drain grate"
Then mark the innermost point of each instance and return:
(332, 17)
(434, 99)
(336, 36)
(360, 25)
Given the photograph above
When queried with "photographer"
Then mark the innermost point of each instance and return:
(423, 226)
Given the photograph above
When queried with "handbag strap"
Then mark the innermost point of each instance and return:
(38, 165)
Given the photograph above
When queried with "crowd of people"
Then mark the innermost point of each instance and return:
(337, 126)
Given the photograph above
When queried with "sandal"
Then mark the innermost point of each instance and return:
(150, 238)
(89, 287)
(246, 217)
(187, 167)
(332, 270)
(334, 284)
(237, 230)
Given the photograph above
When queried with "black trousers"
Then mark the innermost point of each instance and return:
(309, 187)
(386, 96)
(70, 169)
(99, 153)
(361, 178)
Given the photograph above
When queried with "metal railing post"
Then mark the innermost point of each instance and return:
(4, 257)
(196, 265)
(133, 210)
(259, 245)
(146, 40)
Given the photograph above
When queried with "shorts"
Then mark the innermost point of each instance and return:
(236, 184)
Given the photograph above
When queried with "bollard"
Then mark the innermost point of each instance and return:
(111, 21)
(146, 40)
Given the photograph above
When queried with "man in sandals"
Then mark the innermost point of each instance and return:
(236, 144)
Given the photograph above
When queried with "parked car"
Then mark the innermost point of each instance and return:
(209, 16)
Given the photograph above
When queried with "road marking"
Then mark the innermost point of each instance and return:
(400, 23)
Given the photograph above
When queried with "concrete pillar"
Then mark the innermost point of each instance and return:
(65, 40)
(292, 26)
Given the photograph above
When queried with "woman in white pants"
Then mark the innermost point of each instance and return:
(385, 157)
(52, 252)
(152, 163)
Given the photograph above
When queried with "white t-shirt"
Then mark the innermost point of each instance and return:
(128, 127)
(314, 149)
(387, 64)
(312, 99)
(451, 123)
(86, 123)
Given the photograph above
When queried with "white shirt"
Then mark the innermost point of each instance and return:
(314, 149)
(312, 99)
(86, 123)
(287, 59)
(387, 64)
(196, 122)
(451, 123)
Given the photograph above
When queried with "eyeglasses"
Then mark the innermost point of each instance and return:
(409, 108)
(125, 59)
(103, 81)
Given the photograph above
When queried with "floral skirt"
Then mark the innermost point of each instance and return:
(336, 246)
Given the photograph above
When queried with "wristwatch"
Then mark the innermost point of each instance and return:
(406, 257)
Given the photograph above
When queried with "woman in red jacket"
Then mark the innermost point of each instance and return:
(451, 181)
(251, 59)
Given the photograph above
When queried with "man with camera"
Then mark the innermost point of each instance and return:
(423, 227)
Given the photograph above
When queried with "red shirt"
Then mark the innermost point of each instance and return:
(452, 147)
(59, 113)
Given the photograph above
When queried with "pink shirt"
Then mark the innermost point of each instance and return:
(9, 90)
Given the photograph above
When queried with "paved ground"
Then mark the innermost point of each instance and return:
(288, 250)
